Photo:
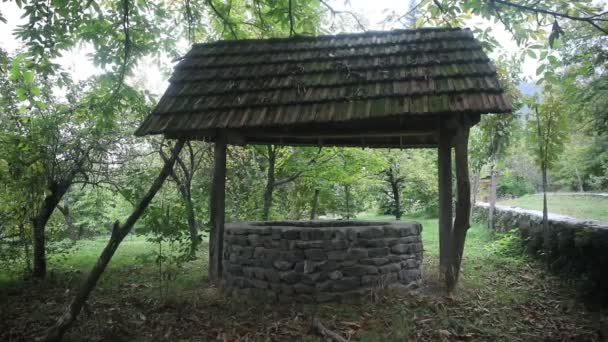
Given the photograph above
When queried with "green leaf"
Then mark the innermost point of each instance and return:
(531, 53)
(540, 69)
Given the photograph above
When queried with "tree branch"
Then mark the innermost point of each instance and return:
(592, 20)
(336, 12)
(225, 20)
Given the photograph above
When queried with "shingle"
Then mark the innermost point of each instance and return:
(289, 81)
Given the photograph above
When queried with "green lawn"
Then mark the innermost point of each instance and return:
(499, 298)
(579, 206)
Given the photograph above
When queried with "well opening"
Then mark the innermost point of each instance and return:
(320, 260)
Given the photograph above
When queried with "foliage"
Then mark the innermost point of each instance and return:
(513, 185)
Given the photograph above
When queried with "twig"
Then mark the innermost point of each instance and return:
(223, 19)
(592, 20)
(322, 331)
(336, 12)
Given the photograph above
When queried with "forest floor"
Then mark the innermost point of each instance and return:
(575, 205)
(501, 297)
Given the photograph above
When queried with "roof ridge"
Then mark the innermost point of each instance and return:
(343, 35)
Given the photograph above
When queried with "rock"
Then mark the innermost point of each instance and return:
(377, 252)
(335, 275)
(408, 276)
(401, 249)
(356, 253)
(390, 268)
(370, 280)
(371, 233)
(346, 284)
(310, 244)
(374, 261)
(290, 277)
(302, 288)
(282, 265)
(337, 255)
(323, 297)
(315, 254)
(291, 234)
(359, 270)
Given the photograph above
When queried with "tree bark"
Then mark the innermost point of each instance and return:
(545, 209)
(347, 203)
(270, 182)
(445, 199)
(315, 205)
(492, 199)
(396, 197)
(73, 231)
(56, 191)
(217, 210)
(463, 205)
(119, 232)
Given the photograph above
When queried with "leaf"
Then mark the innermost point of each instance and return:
(540, 69)
(531, 53)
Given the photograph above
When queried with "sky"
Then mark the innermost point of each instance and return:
(371, 12)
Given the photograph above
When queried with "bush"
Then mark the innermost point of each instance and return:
(511, 185)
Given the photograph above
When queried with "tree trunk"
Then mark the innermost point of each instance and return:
(56, 332)
(445, 199)
(475, 186)
(39, 224)
(217, 210)
(463, 205)
(347, 200)
(492, 197)
(270, 183)
(579, 179)
(73, 231)
(191, 218)
(545, 210)
(315, 205)
(396, 197)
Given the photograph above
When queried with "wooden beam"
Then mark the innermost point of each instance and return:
(444, 163)
(217, 209)
(463, 200)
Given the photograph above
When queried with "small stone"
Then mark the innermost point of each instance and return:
(315, 254)
(282, 265)
(290, 277)
(356, 253)
(311, 278)
(323, 297)
(359, 270)
(337, 255)
(291, 234)
(346, 284)
(408, 276)
(272, 276)
(335, 275)
(302, 288)
(371, 233)
(370, 280)
(378, 252)
(374, 261)
(390, 268)
(259, 284)
(310, 244)
(401, 249)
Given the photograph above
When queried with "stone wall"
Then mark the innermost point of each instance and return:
(576, 249)
(320, 261)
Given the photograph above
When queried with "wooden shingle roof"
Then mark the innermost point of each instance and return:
(326, 82)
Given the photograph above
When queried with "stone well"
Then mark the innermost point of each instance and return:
(320, 260)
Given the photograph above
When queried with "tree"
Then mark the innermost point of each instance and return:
(547, 133)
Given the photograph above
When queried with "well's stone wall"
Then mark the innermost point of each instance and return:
(576, 249)
(320, 260)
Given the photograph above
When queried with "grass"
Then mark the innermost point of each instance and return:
(579, 206)
(501, 297)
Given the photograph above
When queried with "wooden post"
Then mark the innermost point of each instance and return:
(463, 202)
(445, 197)
(217, 209)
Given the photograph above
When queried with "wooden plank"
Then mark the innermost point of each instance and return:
(444, 163)
(217, 209)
